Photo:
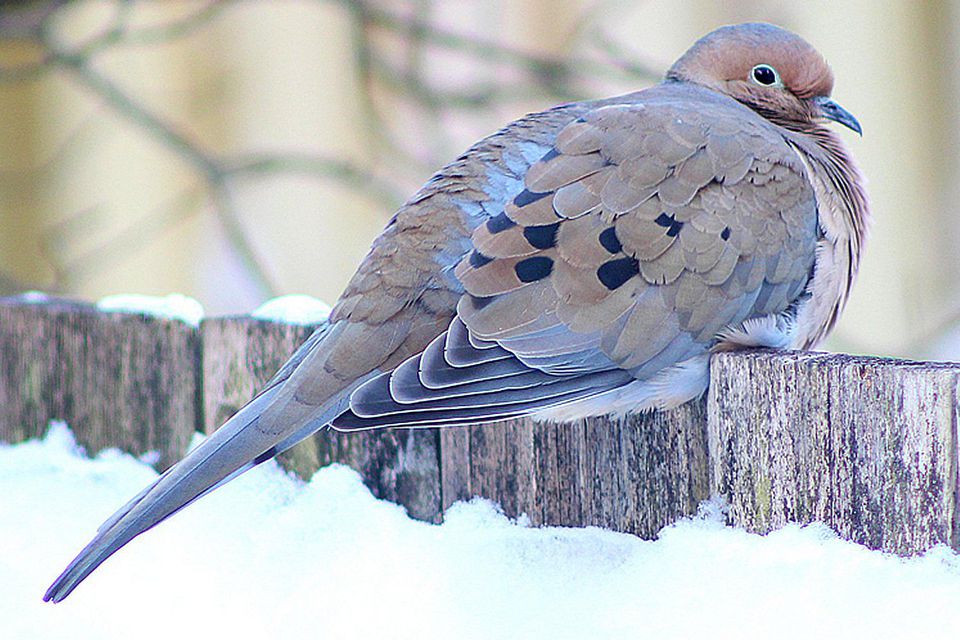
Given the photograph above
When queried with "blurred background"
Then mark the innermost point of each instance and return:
(237, 150)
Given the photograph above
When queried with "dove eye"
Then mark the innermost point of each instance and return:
(764, 74)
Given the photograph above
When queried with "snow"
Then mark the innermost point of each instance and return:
(269, 556)
(175, 306)
(31, 297)
(293, 309)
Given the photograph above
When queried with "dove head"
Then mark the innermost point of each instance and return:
(771, 70)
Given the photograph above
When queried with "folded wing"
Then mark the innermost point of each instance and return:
(647, 229)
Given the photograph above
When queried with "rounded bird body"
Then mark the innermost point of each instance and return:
(583, 260)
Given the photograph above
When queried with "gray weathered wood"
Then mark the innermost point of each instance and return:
(240, 354)
(636, 475)
(118, 379)
(866, 445)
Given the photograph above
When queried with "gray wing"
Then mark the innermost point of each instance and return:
(645, 231)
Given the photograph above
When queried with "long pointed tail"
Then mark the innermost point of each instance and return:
(234, 448)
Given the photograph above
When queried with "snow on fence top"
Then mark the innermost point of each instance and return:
(868, 446)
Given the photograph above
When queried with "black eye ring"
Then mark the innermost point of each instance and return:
(765, 75)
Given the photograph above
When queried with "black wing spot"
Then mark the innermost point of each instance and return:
(500, 223)
(542, 236)
(526, 197)
(610, 241)
(479, 302)
(478, 260)
(533, 269)
(668, 221)
(724, 235)
(550, 155)
(615, 272)
(266, 455)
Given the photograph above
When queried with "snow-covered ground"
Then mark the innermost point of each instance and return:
(270, 557)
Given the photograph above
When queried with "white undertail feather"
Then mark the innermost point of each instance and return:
(681, 382)
(776, 331)
(667, 389)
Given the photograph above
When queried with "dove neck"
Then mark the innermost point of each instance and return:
(847, 212)
(843, 216)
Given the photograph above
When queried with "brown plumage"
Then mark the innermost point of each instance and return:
(582, 260)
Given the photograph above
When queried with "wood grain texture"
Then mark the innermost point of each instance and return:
(118, 379)
(635, 475)
(866, 445)
(241, 353)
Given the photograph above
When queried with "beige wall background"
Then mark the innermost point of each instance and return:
(237, 150)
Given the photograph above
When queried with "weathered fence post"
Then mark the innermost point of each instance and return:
(241, 353)
(866, 445)
(637, 474)
(120, 380)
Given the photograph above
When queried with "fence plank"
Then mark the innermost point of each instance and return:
(239, 356)
(120, 380)
(866, 445)
(637, 474)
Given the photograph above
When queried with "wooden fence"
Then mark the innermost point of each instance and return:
(868, 446)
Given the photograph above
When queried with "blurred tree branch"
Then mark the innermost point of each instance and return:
(536, 75)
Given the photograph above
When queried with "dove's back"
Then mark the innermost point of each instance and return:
(654, 228)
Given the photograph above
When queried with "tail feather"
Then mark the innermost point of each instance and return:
(233, 449)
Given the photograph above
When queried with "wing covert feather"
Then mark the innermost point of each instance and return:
(646, 230)
(652, 226)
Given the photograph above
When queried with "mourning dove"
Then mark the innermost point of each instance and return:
(583, 260)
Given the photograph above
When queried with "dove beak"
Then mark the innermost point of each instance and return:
(833, 111)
